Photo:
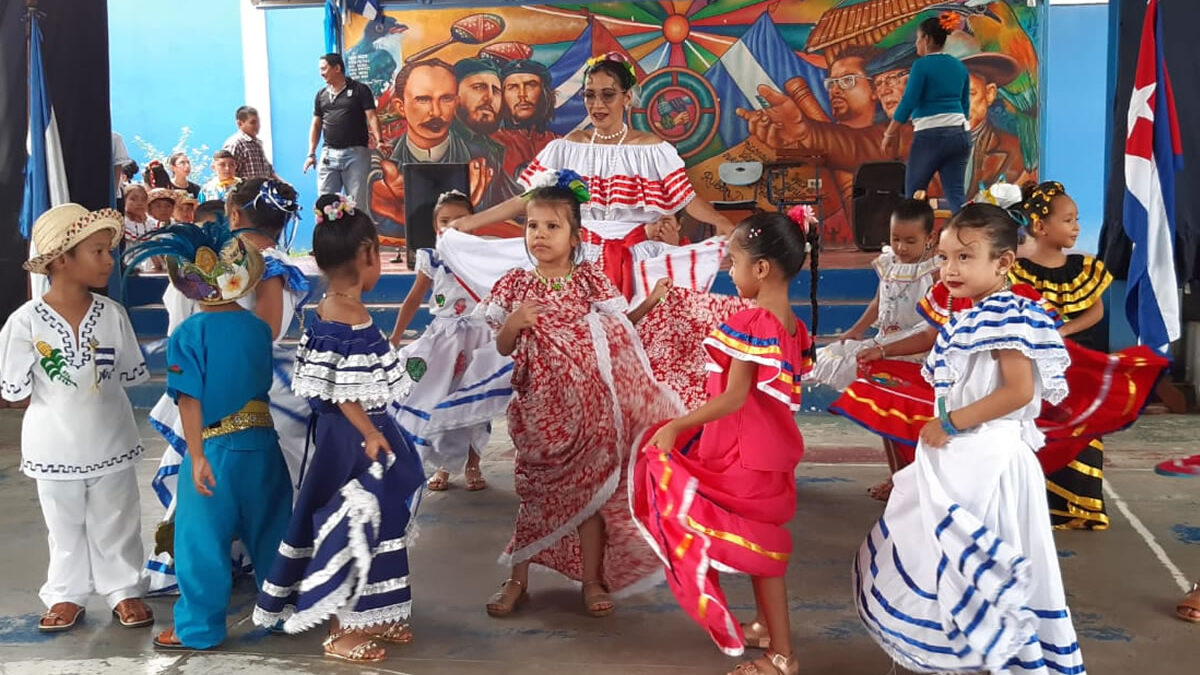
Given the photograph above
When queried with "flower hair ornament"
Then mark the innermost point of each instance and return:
(448, 196)
(206, 263)
(565, 179)
(803, 215)
(617, 57)
(344, 206)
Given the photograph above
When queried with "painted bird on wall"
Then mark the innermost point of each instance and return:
(377, 58)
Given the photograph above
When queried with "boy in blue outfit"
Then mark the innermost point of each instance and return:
(219, 373)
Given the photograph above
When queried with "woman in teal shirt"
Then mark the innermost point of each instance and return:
(937, 99)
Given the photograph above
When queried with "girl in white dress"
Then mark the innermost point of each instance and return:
(259, 209)
(445, 424)
(961, 573)
(70, 353)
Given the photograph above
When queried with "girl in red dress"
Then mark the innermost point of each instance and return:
(584, 395)
(714, 490)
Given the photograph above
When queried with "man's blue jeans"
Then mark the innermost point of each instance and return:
(345, 171)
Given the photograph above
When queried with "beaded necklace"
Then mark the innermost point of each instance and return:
(555, 283)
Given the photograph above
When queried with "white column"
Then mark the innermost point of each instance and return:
(255, 69)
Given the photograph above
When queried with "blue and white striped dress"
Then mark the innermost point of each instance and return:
(345, 553)
(961, 572)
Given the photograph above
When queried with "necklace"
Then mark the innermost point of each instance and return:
(555, 283)
(596, 135)
(340, 294)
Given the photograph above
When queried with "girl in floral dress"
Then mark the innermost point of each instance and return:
(449, 431)
(713, 490)
(345, 558)
(583, 396)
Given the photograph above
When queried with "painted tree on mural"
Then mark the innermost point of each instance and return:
(713, 78)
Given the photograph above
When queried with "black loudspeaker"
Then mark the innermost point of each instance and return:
(422, 184)
(878, 187)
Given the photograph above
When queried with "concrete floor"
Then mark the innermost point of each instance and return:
(1122, 589)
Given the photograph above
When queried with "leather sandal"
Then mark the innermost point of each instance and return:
(68, 612)
(1188, 608)
(776, 662)
(395, 633)
(168, 641)
(439, 481)
(133, 613)
(475, 479)
(756, 634)
(597, 604)
(367, 651)
(504, 602)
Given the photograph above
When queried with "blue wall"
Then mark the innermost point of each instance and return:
(1076, 54)
(173, 66)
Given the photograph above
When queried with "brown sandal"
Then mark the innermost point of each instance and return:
(598, 604)
(439, 481)
(475, 479)
(756, 634)
(168, 640)
(776, 662)
(133, 613)
(395, 633)
(882, 491)
(366, 651)
(68, 612)
(1188, 608)
(504, 602)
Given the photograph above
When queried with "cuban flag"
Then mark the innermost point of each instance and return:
(45, 173)
(1153, 153)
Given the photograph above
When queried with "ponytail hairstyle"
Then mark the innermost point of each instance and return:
(342, 231)
(268, 203)
(938, 28)
(786, 241)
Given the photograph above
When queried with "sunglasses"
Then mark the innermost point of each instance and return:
(608, 96)
(845, 82)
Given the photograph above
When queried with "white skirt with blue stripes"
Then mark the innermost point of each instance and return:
(460, 383)
(961, 573)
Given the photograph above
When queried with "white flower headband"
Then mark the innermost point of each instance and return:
(344, 206)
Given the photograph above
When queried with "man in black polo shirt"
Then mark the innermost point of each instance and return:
(343, 111)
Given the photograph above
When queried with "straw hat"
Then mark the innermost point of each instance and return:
(61, 228)
(213, 278)
(184, 197)
(162, 193)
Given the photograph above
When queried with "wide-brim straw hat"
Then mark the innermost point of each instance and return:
(62, 228)
(198, 280)
(162, 193)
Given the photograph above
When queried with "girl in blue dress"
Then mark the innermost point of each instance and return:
(344, 557)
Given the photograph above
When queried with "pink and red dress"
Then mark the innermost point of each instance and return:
(584, 397)
(720, 500)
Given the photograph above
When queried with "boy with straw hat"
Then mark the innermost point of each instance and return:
(70, 353)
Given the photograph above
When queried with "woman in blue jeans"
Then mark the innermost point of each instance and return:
(937, 99)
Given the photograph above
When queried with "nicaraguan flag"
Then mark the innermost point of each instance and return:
(1153, 154)
(45, 173)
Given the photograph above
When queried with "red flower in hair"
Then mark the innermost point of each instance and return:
(803, 215)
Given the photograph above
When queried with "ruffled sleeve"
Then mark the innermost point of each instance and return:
(17, 356)
(504, 298)
(293, 277)
(340, 363)
(550, 158)
(755, 336)
(884, 262)
(425, 262)
(605, 297)
(1030, 293)
(1004, 321)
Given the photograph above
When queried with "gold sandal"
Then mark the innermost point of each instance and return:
(782, 665)
(395, 633)
(359, 653)
(756, 634)
(475, 479)
(598, 604)
(439, 481)
(502, 602)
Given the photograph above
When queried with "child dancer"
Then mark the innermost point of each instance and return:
(218, 371)
(70, 353)
(907, 269)
(583, 396)
(1074, 284)
(344, 557)
(728, 465)
(445, 431)
(260, 210)
(961, 572)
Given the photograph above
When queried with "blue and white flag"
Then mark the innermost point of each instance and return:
(45, 174)
(1153, 153)
(368, 8)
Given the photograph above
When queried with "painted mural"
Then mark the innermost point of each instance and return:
(714, 78)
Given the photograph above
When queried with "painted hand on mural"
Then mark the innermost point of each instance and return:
(479, 176)
(780, 125)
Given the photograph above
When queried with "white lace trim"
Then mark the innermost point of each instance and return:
(616, 305)
(391, 545)
(597, 502)
(380, 616)
(386, 586)
(374, 381)
(288, 551)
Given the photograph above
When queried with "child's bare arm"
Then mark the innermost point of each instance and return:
(268, 305)
(373, 439)
(1090, 317)
(737, 388)
(1015, 391)
(869, 315)
(412, 303)
(913, 344)
(192, 416)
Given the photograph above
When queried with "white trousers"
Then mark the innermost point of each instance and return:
(95, 538)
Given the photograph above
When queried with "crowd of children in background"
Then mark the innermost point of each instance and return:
(653, 425)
